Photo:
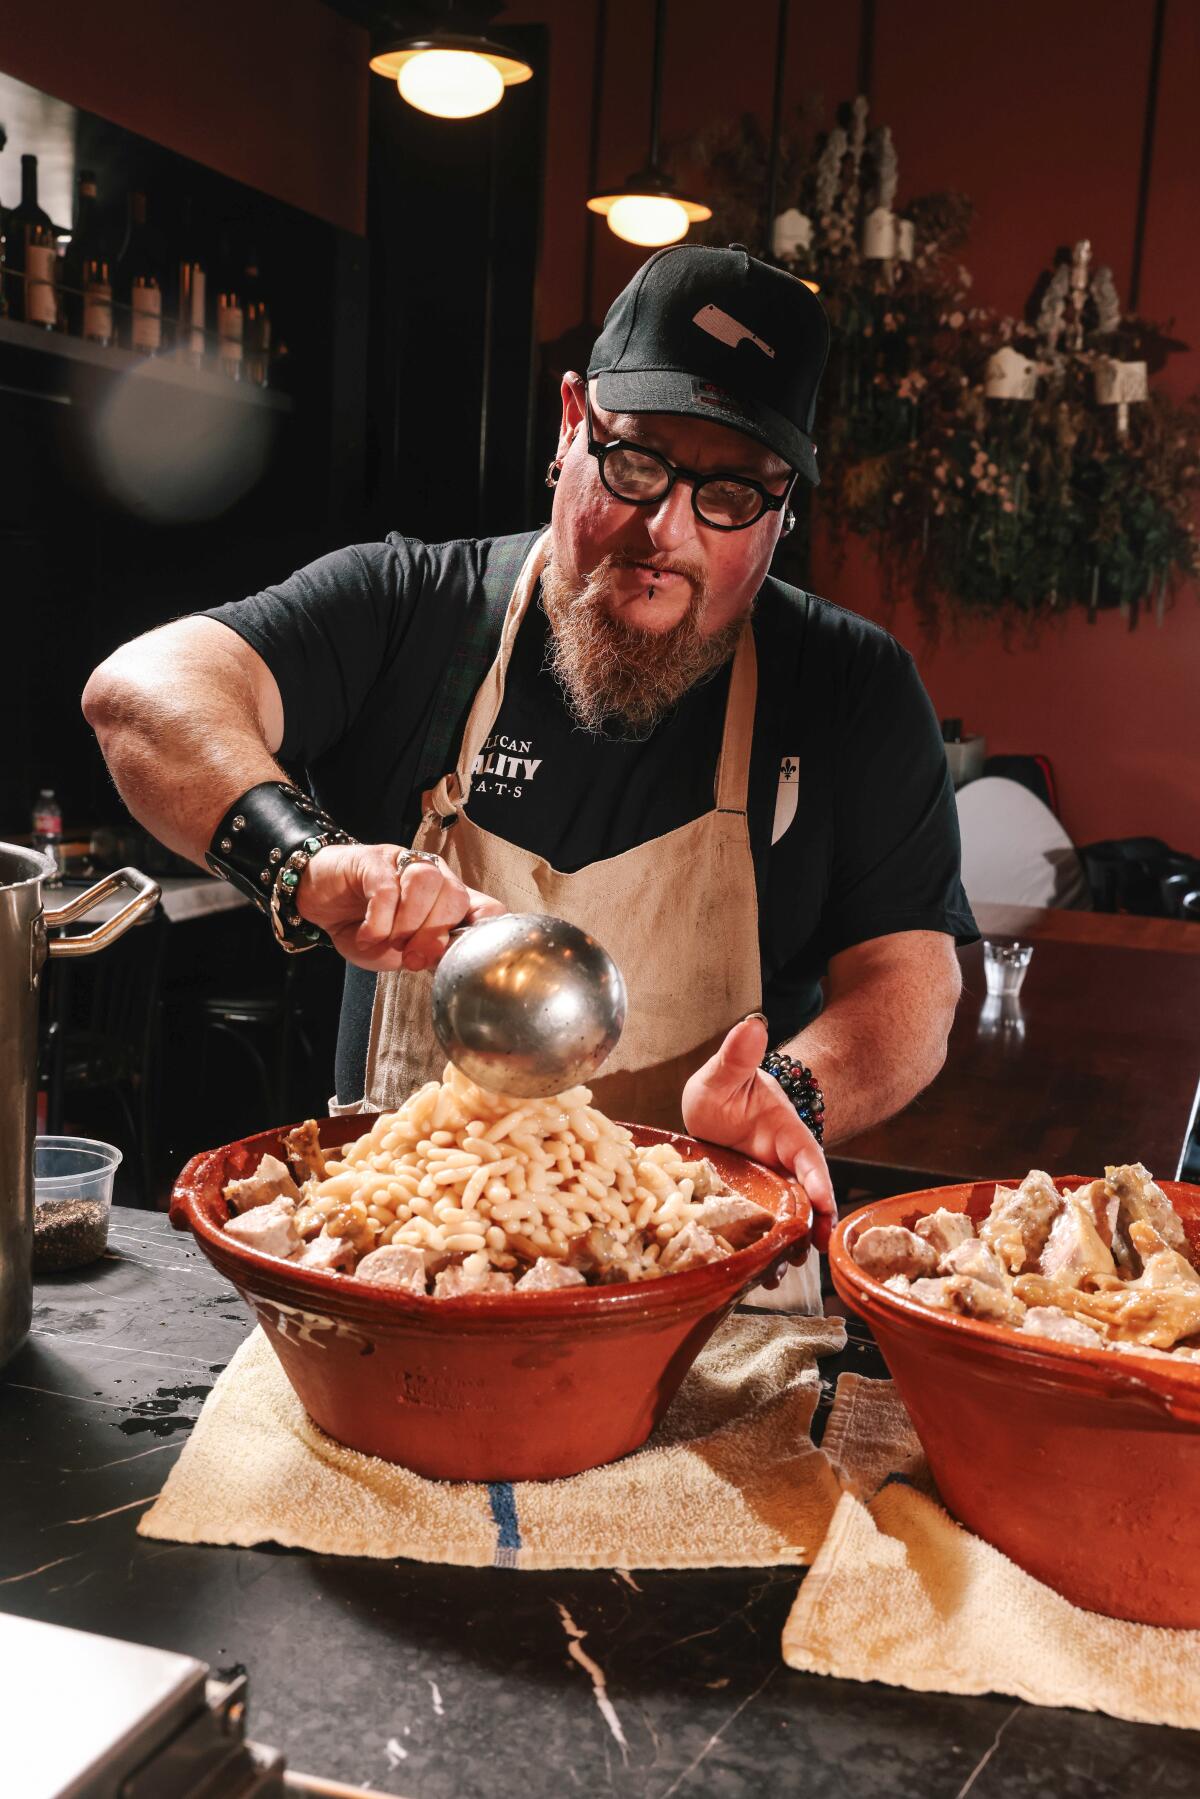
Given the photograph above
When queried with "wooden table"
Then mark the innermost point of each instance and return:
(1096, 1063)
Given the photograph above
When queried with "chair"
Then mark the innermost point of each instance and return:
(100, 1039)
(1014, 851)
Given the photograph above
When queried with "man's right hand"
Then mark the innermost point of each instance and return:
(379, 918)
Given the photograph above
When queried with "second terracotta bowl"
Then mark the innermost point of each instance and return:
(1082, 1465)
(489, 1387)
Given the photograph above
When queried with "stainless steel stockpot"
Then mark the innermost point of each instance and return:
(24, 945)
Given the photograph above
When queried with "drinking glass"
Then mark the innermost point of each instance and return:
(1004, 964)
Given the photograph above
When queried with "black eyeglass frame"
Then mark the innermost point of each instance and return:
(695, 478)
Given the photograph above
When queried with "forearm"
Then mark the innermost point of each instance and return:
(179, 725)
(881, 1038)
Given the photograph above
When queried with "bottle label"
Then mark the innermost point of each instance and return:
(147, 317)
(47, 822)
(98, 312)
(41, 307)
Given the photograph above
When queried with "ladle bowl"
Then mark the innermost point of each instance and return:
(527, 1004)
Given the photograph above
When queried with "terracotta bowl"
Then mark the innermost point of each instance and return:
(1082, 1465)
(488, 1387)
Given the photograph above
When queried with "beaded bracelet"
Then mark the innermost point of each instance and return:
(800, 1085)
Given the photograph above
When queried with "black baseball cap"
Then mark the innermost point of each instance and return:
(717, 334)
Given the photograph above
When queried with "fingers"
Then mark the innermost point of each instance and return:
(736, 1061)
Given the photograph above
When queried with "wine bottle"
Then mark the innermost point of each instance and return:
(139, 288)
(191, 297)
(86, 300)
(257, 325)
(230, 317)
(31, 255)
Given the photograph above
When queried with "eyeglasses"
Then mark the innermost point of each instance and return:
(642, 477)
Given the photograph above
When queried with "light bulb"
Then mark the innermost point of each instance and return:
(647, 219)
(451, 84)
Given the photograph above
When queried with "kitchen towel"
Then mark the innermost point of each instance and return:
(730, 1478)
(902, 1594)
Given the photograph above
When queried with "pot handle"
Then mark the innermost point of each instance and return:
(147, 894)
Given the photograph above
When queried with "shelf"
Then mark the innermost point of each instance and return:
(56, 346)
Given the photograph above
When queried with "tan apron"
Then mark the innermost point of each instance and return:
(679, 914)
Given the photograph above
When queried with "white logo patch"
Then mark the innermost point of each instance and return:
(726, 330)
(787, 796)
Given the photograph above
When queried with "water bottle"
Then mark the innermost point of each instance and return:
(47, 829)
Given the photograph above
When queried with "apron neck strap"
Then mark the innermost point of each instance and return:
(733, 768)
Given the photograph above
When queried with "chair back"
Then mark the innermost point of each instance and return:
(1014, 851)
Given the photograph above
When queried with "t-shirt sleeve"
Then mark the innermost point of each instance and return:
(325, 633)
(896, 843)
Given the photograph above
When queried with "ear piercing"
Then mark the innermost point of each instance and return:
(552, 474)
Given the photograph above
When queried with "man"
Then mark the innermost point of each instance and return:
(736, 787)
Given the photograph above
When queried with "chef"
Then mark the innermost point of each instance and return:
(623, 720)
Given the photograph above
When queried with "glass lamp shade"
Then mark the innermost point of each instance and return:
(451, 77)
(451, 84)
(646, 212)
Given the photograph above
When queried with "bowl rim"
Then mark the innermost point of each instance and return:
(1150, 1376)
(791, 1232)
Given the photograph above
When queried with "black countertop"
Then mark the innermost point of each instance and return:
(454, 1683)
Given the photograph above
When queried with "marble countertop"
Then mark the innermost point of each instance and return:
(452, 1683)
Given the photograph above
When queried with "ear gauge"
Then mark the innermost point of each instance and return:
(789, 522)
(552, 474)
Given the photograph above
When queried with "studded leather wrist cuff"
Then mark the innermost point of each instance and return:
(263, 844)
(800, 1085)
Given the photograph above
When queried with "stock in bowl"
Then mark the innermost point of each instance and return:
(492, 1386)
(1081, 1465)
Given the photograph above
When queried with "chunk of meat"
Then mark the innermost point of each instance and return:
(1102, 1204)
(547, 1274)
(1145, 1202)
(472, 1276)
(302, 1146)
(325, 1252)
(1020, 1219)
(1128, 1313)
(736, 1219)
(706, 1182)
(1052, 1321)
(270, 1180)
(271, 1229)
(886, 1249)
(945, 1230)
(599, 1254)
(691, 1247)
(1075, 1252)
(396, 1265)
(975, 1259)
(970, 1298)
(898, 1283)
(1162, 1266)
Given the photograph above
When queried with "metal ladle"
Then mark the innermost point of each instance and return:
(527, 1004)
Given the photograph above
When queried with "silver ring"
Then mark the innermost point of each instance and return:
(404, 857)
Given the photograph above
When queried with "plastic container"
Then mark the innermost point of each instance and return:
(72, 1199)
(1081, 1465)
(487, 1387)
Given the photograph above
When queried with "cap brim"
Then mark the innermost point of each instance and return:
(675, 391)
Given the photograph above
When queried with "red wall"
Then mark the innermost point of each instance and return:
(1035, 110)
(270, 92)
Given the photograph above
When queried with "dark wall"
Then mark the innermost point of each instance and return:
(454, 211)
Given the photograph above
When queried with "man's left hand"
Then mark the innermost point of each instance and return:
(734, 1102)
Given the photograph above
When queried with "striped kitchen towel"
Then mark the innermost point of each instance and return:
(729, 1479)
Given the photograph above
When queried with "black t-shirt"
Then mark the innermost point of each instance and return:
(378, 650)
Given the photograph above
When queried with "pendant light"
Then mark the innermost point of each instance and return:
(451, 74)
(646, 209)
